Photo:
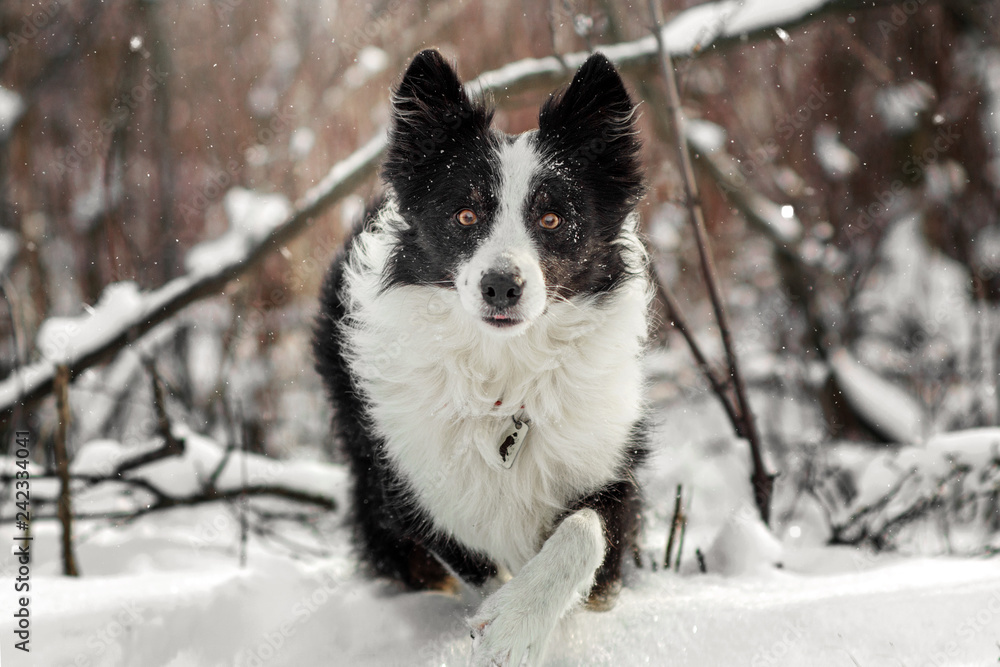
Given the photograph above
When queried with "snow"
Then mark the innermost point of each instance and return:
(699, 26)
(11, 109)
(369, 61)
(170, 604)
(91, 204)
(985, 249)
(708, 137)
(836, 159)
(301, 142)
(900, 105)
(695, 28)
(945, 180)
(977, 446)
(10, 245)
(989, 67)
(929, 463)
(185, 474)
(920, 297)
(252, 216)
(744, 545)
(167, 590)
(893, 412)
(61, 339)
(923, 499)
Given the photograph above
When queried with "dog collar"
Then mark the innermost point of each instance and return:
(513, 440)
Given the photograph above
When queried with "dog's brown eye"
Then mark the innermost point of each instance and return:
(549, 221)
(466, 217)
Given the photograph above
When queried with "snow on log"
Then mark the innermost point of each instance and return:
(885, 408)
(689, 34)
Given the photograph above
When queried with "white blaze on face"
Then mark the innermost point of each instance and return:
(509, 248)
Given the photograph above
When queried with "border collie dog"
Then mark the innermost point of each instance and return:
(481, 339)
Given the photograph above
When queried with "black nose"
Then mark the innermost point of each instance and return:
(501, 290)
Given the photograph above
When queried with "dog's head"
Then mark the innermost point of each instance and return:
(511, 222)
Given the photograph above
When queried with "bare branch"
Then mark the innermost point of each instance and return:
(679, 322)
(762, 480)
(674, 525)
(164, 501)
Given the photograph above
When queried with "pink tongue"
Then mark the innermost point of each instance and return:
(500, 317)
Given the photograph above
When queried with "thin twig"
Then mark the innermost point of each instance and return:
(679, 322)
(65, 503)
(701, 561)
(172, 443)
(213, 479)
(680, 542)
(244, 525)
(674, 524)
(762, 480)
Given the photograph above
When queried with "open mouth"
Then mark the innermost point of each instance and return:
(501, 321)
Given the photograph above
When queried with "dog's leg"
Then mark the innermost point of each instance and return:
(618, 505)
(513, 625)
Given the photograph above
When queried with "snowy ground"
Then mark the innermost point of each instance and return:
(168, 590)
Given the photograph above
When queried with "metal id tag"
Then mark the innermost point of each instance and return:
(513, 439)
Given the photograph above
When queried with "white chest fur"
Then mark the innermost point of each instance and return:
(433, 378)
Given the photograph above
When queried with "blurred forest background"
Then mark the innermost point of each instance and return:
(849, 167)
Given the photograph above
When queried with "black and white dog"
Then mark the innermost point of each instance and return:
(481, 338)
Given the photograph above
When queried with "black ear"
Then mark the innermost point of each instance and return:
(429, 82)
(429, 109)
(591, 126)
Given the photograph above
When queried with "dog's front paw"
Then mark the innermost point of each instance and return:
(509, 631)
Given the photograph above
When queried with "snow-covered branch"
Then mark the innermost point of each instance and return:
(130, 314)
